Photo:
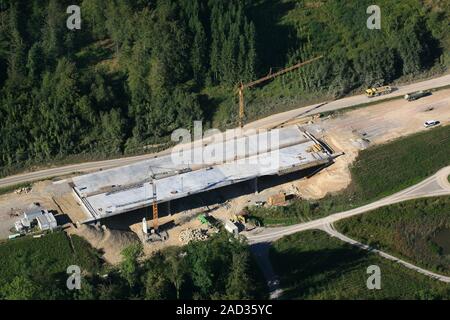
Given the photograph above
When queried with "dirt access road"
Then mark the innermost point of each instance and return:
(436, 185)
(330, 229)
(263, 123)
(260, 239)
(364, 127)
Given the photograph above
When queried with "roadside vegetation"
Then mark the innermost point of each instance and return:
(219, 268)
(12, 188)
(36, 268)
(312, 265)
(107, 90)
(417, 231)
(377, 172)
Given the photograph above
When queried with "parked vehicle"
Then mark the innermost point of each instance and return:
(417, 95)
(374, 92)
(431, 123)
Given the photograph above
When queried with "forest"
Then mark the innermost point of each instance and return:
(138, 69)
(219, 268)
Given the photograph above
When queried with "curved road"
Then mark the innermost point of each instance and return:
(270, 121)
(329, 228)
(436, 185)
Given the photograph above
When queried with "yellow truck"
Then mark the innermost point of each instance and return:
(374, 92)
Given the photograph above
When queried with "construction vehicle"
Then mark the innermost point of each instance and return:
(417, 95)
(237, 218)
(270, 76)
(241, 217)
(378, 91)
(203, 219)
(211, 222)
(259, 203)
(315, 148)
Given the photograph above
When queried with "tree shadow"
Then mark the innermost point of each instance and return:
(273, 40)
(303, 271)
(206, 200)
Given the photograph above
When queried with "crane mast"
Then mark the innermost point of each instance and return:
(154, 203)
(155, 207)
(243, 86)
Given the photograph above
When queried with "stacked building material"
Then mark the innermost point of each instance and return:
(189, 235)
(23, 190)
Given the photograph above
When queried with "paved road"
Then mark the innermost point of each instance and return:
(270, 121)
(329, 228)
(436, 185)
(82, 167)
(346, 102)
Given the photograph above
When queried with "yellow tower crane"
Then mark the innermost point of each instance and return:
(154, 204)
(243, 86)
(153, 178)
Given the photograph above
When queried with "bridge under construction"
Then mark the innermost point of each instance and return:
(163, 179)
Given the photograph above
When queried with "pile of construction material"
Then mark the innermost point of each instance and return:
(189, 235)
(23, 190)
(277, 200)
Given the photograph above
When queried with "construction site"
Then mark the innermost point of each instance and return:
(172, 198)
(159, 180)
(158, 186)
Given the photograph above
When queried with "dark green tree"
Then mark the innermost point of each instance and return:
(239, 284)
(20, 288)
(129, 266)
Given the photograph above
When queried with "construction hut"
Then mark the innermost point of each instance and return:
(46, 221)
(231, 227)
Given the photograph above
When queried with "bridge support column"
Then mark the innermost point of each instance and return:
(169, 209)
(256, 185)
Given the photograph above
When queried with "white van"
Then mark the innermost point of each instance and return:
(431, 123)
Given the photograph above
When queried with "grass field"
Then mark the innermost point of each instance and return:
(417, 230)
(44, 261)
(377, 172)
(312, 265)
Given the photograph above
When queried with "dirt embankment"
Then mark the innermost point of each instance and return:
(361, 128)
(109, 242)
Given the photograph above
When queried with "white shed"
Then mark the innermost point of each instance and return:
(231, 227)
(46, 221)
